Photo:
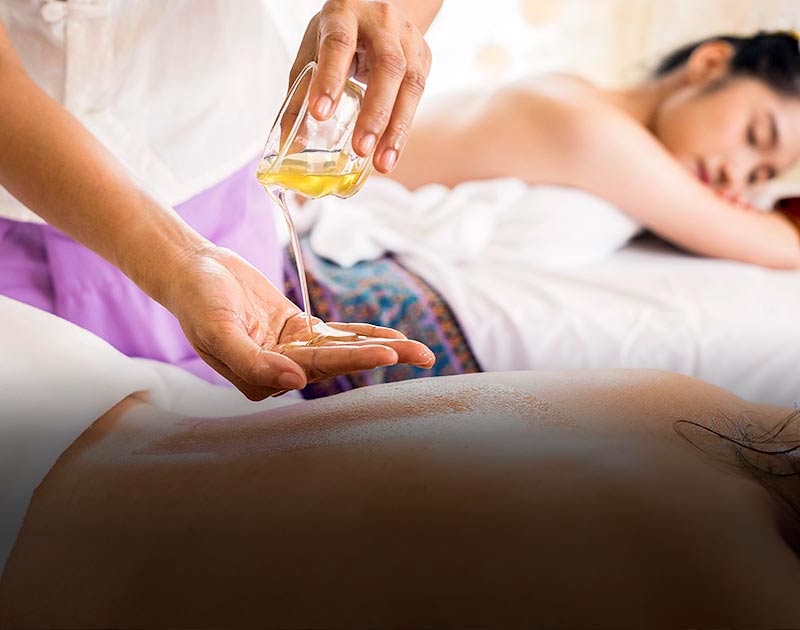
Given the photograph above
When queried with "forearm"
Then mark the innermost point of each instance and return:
(618, 160)
(420, 12)
(783, 232)
(53, 165)
(701, 222)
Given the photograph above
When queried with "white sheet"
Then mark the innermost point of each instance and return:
(536, 281)
(56, 379)
(648, 306)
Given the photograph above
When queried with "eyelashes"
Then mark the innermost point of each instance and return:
(762, 142)
(752, 140)
(762, 174)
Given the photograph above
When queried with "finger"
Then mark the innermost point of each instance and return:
(408, 351)
(305, 54)
(307, 50)
(338, 37)
(251, 391)
(411, 352)
(254, 365)
(293, 109)
(326, 361)
(387, 68)
(396, 136)
(367, 330)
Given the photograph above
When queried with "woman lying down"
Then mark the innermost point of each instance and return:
(544, 498)
(674, 153)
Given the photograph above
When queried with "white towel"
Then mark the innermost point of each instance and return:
(504, 220)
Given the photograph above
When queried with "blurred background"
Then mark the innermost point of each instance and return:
(608, 41)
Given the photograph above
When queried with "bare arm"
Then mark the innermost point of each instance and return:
(603, 151)
(232, 315)
(615, 158)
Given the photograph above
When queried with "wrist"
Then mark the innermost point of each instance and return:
(420, 12)
(157, 248)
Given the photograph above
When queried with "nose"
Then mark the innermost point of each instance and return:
(734, 175)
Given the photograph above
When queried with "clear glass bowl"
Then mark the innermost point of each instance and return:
(310, 157)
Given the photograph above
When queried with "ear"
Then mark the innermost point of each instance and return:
(709, 62)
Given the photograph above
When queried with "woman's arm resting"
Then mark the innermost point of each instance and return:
(632, 170)
(598, 149)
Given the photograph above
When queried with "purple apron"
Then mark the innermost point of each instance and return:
(42, 267)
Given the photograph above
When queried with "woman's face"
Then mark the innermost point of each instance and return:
(733, 134)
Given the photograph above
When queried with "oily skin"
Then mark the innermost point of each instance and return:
(415, 503)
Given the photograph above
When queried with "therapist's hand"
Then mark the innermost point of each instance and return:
(381, 47)
(235, 319)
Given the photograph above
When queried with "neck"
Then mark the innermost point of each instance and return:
(643, 101)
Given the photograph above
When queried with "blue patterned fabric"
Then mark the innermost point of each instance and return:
(383, 293)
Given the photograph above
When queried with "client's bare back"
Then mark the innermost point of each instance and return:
(553, 498)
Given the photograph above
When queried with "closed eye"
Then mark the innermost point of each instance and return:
(752, 139)
(762, 174)
(762, 133)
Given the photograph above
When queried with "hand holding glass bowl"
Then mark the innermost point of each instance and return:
(314, 159)
(310, 157)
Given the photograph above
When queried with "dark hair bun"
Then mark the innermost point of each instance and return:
(771, 57)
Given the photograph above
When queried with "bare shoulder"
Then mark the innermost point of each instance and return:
(535, 129)
(568, 91)
(564, 112)
(563, 85)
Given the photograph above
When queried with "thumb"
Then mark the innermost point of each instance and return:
(255, 365)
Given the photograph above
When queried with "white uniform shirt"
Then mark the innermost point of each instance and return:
(182, 91)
